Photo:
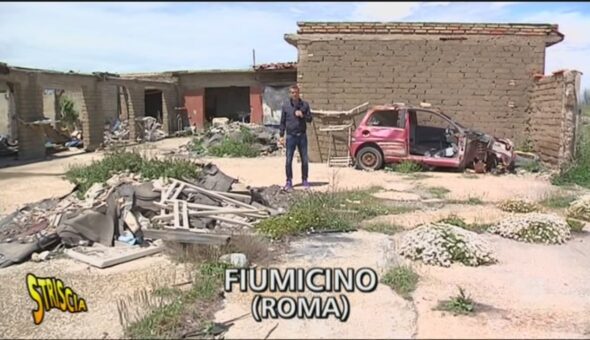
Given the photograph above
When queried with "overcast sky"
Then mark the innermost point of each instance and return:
(152, 36)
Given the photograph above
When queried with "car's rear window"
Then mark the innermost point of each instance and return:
(386, 118)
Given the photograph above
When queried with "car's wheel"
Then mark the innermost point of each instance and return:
(369, 158)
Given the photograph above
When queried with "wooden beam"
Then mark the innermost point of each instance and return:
(182, 236)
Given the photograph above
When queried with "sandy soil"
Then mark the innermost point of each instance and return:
(396, 317)
(535, 291)
(101, 288)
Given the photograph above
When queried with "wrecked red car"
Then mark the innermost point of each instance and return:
(397, 132)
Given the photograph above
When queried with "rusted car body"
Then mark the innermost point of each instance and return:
(397, 132)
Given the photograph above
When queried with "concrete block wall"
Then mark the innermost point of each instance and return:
(554, 117)
(5, 111)
(95, 98)
(29, 106)
(109, 102)
(481, 82)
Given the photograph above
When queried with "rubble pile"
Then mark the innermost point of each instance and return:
(580, 209)
(7, 148)
(262, 139)
(534, 227)
(129, 211)
(116, 134)
(152, 130)
(442, 244)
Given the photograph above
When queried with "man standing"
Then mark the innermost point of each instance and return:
(295, 115)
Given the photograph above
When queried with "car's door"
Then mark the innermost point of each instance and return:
(386, 128)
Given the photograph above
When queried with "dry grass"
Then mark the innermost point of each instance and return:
(255, 247)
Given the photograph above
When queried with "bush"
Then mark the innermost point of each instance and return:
(240, 145)
(460, 304)
(518, 206)
(580, 209)
(443, 244)
(557, 200)
(575, 225)
(579, 171)
(402, 280)
(405, 167)
(533, 227)
(233, 148)
(192, 307)
(120, 161)
(324, 211)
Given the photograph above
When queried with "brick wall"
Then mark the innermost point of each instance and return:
(29, 106)
(482, 82)
(554, 116)
(4, 110)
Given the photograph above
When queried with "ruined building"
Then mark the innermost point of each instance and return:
(176, 99)
(487, 76)
(483, 75)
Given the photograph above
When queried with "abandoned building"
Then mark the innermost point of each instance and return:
(29, 100)
(485, 76)
(488, 77)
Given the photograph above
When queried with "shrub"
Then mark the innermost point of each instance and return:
(324, 211)
(443, 244)
(402, 280)
(580, 209)
(575, 225)
(460, 304)
(120, 161)
(518, 206)
(533, 227)
(557, 200)
(233, 148)
(438, 192)
(577, 172)
(405, 167)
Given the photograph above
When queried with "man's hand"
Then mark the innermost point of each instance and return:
(282, 141)
(298, 113)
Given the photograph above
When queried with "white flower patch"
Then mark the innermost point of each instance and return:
(518, 206)
(442, 244)
(580, 209)
(533, 227)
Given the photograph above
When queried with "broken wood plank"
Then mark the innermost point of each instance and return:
(101, 257)
(227, 194)
(218, 196)
(230, 220)
(182, 236)
(178, 191)
(207, 213)
(176, 215)
(185, 223)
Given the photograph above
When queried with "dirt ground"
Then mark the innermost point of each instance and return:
(535, 291)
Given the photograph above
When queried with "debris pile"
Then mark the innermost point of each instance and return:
(259, 139)
(116, 134)
(131, 213)
(518, 206)
(6, 147)
(534, 228)
(152, 130)
(442, 244)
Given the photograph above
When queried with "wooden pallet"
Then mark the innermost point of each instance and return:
(334, 161)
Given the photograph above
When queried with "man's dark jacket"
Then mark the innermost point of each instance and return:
(292, 124)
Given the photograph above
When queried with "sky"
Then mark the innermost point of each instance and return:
(163, 36)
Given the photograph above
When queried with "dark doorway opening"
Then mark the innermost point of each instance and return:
(153, 104)
(229, 102)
